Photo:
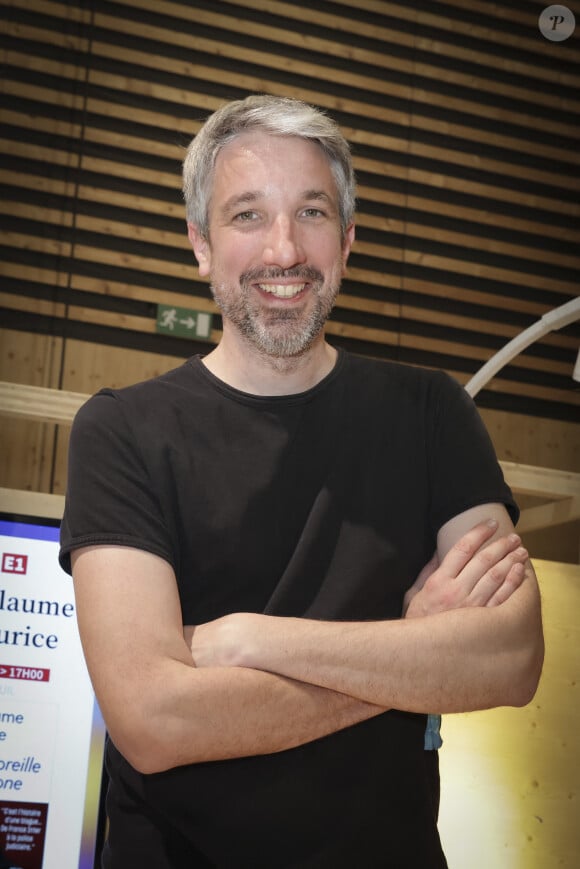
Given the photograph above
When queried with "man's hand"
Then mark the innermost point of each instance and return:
(469, 575)
(215, 643)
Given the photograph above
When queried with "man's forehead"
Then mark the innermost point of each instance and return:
(248, 167)
(257, 142)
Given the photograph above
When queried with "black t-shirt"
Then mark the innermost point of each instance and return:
(325, 505)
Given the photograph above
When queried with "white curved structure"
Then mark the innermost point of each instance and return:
(553, 320)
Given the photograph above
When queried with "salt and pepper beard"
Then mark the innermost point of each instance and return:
(271, 331)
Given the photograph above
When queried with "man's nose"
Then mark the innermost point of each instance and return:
(283, 246)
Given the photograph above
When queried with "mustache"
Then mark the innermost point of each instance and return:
(307, 274)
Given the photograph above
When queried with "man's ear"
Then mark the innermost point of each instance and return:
(201, 249)
(347, 244)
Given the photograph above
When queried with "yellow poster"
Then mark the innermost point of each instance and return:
(511, 777)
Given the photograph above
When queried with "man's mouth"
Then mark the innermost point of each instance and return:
(282, 291)
(284, 284)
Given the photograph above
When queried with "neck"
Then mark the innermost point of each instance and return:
(246, 369)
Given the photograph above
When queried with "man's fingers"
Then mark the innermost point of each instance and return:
(468, 562)
(496, 582)
(474, 573)
(491, 564)
(466, 547)
(513, 580)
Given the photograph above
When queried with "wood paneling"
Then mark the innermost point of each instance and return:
(464, 123)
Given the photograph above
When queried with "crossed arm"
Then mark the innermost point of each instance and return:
(471, 638)
(440, 658)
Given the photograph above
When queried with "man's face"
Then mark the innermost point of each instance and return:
(274, 253)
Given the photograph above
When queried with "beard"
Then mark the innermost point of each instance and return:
(279, 332)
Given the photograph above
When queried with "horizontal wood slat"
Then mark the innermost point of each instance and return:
(547, 515)
(39, 403)
(21, 502)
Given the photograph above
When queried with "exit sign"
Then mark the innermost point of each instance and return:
(183, 323)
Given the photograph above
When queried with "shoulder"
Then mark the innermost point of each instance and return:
(399, 380)
(138, 401)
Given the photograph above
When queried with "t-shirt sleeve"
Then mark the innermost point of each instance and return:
(464, 469)
(109, 499)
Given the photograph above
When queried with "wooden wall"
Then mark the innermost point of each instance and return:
(464, 123)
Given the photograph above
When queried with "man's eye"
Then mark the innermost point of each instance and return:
(245, 216)
(312, 212)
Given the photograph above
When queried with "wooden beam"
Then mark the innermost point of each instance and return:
(39, 402)
(546, 515)
(544, 482)
(24, 503)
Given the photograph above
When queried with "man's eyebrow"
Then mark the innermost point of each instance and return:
(249, 197)
(234, 202)
(318, 195)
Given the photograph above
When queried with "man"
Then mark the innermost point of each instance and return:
(278, 499)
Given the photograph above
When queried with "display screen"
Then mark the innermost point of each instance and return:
(51, 730)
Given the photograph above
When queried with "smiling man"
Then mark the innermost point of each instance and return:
(279, 252)
(248, 535)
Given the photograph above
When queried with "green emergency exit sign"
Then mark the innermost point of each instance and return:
(183, 322)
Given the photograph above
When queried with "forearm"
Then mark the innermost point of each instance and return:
(161, 711)
(198, 715)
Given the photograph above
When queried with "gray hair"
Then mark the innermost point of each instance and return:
(277, 116)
